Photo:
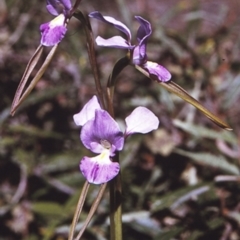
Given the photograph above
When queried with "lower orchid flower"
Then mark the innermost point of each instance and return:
(54, 31)
(102, 135)
(137, 52)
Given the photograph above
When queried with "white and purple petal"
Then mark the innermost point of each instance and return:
(54, 31)
(157, 71)
(99, 169)
(141, 120)
(112, 21)
(102, 128)
(88, 112)
(115, 42)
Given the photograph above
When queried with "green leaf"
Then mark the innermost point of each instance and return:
(174, 199)
(61, 162)
(211, 160)
(169, 234)
(201, 132)
(49, 209)
(34, 132)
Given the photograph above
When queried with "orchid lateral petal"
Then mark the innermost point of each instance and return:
(30, 66)
(102, 128)
(143, 33)
(112, 21)
(88, 112)
(141, 120)
(180, 92)
(157, 71)
(35, 80)
(99, 169)
(116, 42)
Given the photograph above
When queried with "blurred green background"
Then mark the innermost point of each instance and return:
(181, 181)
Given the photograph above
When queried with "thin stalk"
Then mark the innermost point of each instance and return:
(91, 54)
(78, 209)
(92, 210)
(115, 184)
(30, 66)
(75, 6)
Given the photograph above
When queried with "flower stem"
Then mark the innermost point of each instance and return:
(116, 208)
(91, 53)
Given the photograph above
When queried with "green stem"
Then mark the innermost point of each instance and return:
(115, 184)
(116, 208)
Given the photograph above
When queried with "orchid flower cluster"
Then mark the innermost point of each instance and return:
(100, 132)
(102, 135)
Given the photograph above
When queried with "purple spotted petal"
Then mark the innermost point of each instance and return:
(141, 120)
(98, 170)
(157, 71)
(102, 128)
(56, 7)
(116, 42)
(53, 32)
(87, 113)
(112, 21)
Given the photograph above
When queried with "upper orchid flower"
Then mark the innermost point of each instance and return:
(102, 135)
(137, 52)
(54, 31)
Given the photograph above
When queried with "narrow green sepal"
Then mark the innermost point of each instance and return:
(180, 92)
(20, 94)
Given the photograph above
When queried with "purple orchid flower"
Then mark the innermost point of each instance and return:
(54, 31)
(137, 52)
(101, 134)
